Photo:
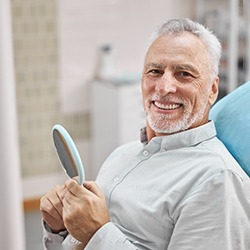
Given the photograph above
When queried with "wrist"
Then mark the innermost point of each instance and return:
(61, 231)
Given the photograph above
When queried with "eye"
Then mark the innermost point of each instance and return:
(154, 72)
(184, 75)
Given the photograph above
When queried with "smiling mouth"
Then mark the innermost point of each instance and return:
(162, 106)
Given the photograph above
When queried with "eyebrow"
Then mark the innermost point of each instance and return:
(153, 65)
(187, 67)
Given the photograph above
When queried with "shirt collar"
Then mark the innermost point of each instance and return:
(186, 138)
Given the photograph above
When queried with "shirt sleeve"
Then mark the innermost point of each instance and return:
(50, 240)
(214, 216)
(109, 237)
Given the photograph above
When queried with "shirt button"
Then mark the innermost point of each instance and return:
(51, 240)
(116, 179)
(145, 153)
(73, 240)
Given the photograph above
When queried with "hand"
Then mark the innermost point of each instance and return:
(84, 210)
(51, 208)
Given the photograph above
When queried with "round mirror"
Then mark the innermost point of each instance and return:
(68, 153)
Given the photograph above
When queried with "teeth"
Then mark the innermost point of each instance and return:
(167, 106)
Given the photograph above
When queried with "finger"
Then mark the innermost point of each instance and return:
(55, 199)
(52, 200)
(62, 193)
(73, 187)
(68, 198)
(75, 178)
(93, 188)
(54, 224)
(47, 207)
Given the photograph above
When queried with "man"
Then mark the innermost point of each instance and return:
(178, 189)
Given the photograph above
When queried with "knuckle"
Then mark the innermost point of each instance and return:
(43, 203)
(49, 209)
(90, 202)
(57, 204)
(71, 184)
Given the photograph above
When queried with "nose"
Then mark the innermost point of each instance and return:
(166, 84)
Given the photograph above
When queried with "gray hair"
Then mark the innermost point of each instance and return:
(180, 25)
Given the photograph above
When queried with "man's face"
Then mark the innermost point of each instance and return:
(177, 87)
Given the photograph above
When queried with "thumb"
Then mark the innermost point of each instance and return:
(93, 187)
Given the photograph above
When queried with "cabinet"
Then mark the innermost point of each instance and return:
(229, 20)
(116, 118)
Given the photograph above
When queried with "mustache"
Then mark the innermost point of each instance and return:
(167, 98)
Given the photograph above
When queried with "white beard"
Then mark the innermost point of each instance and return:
(163, 124)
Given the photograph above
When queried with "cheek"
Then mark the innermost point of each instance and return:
(194, 99)
(202, 100)
(146, 94)
(146, 88)
(200, 91)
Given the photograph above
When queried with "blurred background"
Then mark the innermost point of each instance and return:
(78, 63)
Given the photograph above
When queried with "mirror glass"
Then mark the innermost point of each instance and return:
(68, 153)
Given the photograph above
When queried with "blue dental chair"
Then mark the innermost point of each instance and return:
(231, 115)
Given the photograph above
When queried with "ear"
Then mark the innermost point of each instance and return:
(214, 91)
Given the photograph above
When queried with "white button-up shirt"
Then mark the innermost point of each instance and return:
(178, 192)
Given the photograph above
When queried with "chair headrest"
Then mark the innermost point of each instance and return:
(232, 120)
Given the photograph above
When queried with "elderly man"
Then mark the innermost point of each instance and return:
(179, 188)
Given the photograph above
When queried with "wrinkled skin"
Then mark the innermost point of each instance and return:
(80, 209)
(176, 84)
(51, 207)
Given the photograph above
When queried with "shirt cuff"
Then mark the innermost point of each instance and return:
(49, 237)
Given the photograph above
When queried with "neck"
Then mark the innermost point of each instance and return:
(150, 132)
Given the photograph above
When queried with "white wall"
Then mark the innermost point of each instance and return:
(11, 216)
(85, 25)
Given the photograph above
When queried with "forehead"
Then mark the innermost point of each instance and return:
(185, 47)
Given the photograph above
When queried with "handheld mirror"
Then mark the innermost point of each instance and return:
(68, 153)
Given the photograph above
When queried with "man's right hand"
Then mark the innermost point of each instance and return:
(51, 208)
